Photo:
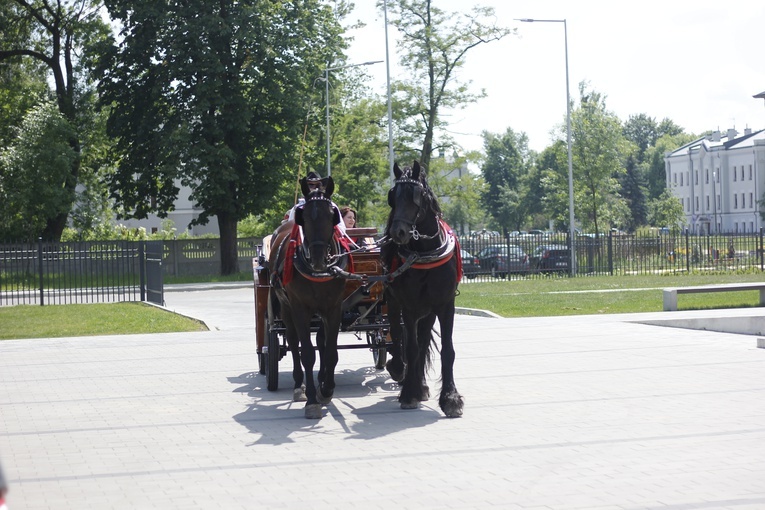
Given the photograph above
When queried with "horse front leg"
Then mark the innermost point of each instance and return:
(329, 357)
(308, 359)
(411, 387)
(396, 365)
(293, 342)
(450, 401)
(424, 341)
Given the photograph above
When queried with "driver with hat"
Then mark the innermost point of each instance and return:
(313, 180)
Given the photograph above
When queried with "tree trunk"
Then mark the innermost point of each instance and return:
(229, 259)
(54, 228)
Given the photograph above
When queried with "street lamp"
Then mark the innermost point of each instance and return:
(572, 229)
(390, 107)
(326, 82)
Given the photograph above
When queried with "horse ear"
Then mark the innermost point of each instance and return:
(338, 218)
(328, 184)
(304, 186)
(415, 170)
(397, 171)
(390, 197)
(299, 216)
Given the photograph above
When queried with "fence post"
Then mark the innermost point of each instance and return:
(142, 269)
(40, 269)
(611, 252)
(762, 255)
(687, 253)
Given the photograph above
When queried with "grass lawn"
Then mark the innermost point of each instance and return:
(515, 298)
(27, 321)
(600, 294)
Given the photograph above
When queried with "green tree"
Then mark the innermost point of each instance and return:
(598, 151)
(505, 170)
(552, 165)
(57, 36)
(633, 190)
(359, 158)
(655, 168)
(434, 46)
(34, 172)
(214, 96)
(666, 211)
(458, 191)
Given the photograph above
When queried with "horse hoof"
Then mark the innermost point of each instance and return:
(323, 399)
(452, 405)
(397, 373)
(412, 404)
(313, 411)
(298, 395)
(455, 412)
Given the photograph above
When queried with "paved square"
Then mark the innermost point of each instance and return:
(593, 412)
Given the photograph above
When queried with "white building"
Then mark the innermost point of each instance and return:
(183, 213)
(720, 180)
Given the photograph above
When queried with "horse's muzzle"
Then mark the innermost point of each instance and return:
(400, 232)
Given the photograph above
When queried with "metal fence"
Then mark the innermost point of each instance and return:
(108, 271)
(72, 272)
(613, 254)
(194, 257)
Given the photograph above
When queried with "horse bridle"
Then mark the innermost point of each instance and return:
(417, 199)
(306, 248)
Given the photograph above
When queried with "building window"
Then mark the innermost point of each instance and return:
(735, 201)
(696, 178)
(750, 172)
(735, 174)
(717, 175)
(681, 179)
(706, 176)
(707, 202)
(743, 200)
(751, 200)
(751, 226)
(674, 178)
(719, 205)
(697, 203)
(742, 173)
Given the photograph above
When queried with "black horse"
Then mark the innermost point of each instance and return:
(424, 264)
(304, 285)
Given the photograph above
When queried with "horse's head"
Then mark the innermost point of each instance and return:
(318, 217)
(410, 199)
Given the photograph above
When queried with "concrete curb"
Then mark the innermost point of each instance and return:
(196, 287)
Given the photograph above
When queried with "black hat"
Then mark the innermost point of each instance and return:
(313, 176)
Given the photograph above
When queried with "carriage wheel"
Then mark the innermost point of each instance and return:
(380, 354)
(271, 357)
(272, 361)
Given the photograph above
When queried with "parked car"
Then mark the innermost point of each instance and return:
(550, 258)
(470, 264)
(501, 259)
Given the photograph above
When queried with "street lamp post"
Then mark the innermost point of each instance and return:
(390, 107)
(326, 83)
(571, 227)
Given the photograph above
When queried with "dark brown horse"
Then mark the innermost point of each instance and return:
(425, 265)
(304, 285)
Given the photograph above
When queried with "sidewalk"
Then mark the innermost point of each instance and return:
(585, 412)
